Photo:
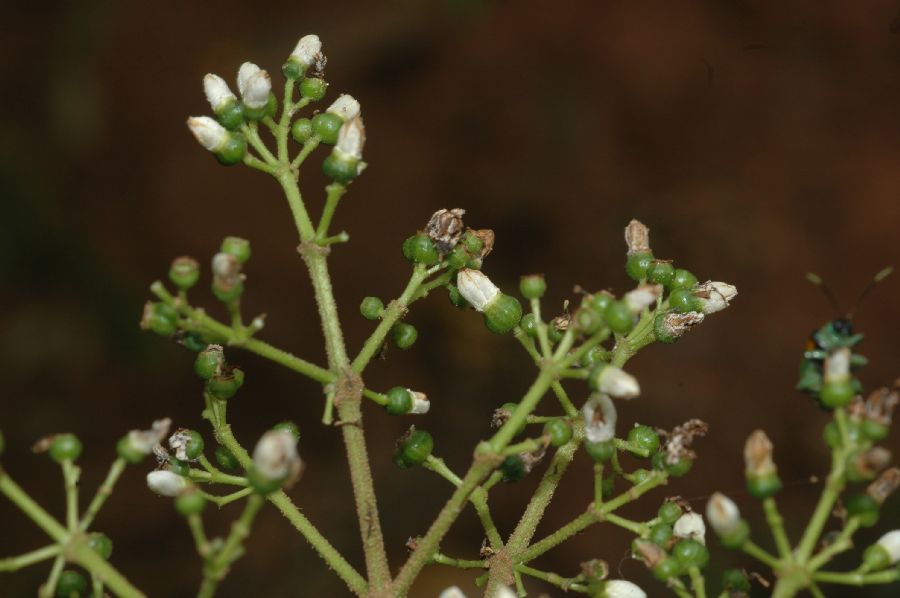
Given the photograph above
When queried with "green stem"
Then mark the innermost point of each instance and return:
(698, 584)
(541, 326)
(776, 524)
(857, 579)
(218, 567)
(71, 474)
(218, 477)
(841, 543)
(195, 523)
(308, 147)
(635, 527)
(335, 192)
(833, 487)
(48, 589)
(441, 559)
(761, 555)
(251, 133)
(254, 162)
(15, 563)
(221, 501)
(33, 510)
(103, 492)
(284, 124)
(564, 583)
(85, 556)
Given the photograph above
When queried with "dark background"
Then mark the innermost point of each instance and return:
(759, 141)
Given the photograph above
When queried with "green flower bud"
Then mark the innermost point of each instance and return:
(456, 297)
(420, 249)
(228, 282)
(65, 447)
(210, 362)
(683, 301)
(660, 534)
(473, 243)
(874, 430)
(666, 568)
(639, 476)
(669, 512)
(404, 335)
(600, 451)
(302, 130)
(529, 325)
(101, 544)
(832, 434)
(660, 272)
(371, 308)
(275, 461)
(533, 286)
(231, 116)
(313, 88)
(184, 272)
(598, 301)
(71, 583)
(341, 171)
(587, 321)
(226, 384)
(159, 318)
(735, 581)
(307, 53)
(837, 393)
(691, 553)
(238, 247)
(613, 381)
(884, 553)
(863, 506)
(725, 519)
(226, 458)
(326, 125)
(763, 486)
(413, 448)
(228, 147)
(594, 357)
(619, 317)
(186, 444)
(399, 401)
(644, 437)
(683, 279)
(679, 468)
(501, 312)
(190, 502)
(637, 264)
(513, 469)
(760, 470)
(192, 341)
(559, 431)
(233, 150)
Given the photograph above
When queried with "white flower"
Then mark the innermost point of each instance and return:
(476, 288)
(166, 483)
(452, 592)
(217, 92)
(837, 366)
(256, 89)
(351, 138)
(275, 454)
(504, 592)
(345, 106)
(723, 514)
(143, 441)
(617, 383)
(891, 544)
(642, 297)
(247, 70)
(690, 525)
(308, 50)
(715, 296)
(599, 418)
(619, 588)
(421, 404)
(208, 132)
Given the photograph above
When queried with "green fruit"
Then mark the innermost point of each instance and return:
(184, 272)
(873, 430)
(340, 169)
(159, 318)
(178, 467)
(236, 246)
(680, 468)
(233, 150)
(190, 503)
(231, 115)
(593, 357)
(457, 258)
(513, 469)
(598, 301)
(876, 557)
(529, 325)
(125, 450)
(559, 431)
(618, 317)
(661, 331)
(194, 445)
(371, 308)
(399, 401)
(65, 447)
(644, 437)
(763, 486)
(734, 581)
(420, 249)
(660, 534)
(302, 130)
(262, 484)
(588, 321)
(863, 506)
(639, 476)
(101, 544)
(313, 88)
(683, 279)
(683, 301)
(289, 427)
(600, 451)
(413, 448)
(669, 512)
(326, 125)
(637, 264)
(661, 273)
(71, 583)
(226, 458)
(736, 537)
(404, 335)
(502, 314)
(691, 553)
(456, 297)
(472, 242)
(209, 362)
(666, 568)
(533, 286)
(228, 293)
(837, 393)
(225, 385)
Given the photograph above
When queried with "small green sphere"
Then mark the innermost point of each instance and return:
(513, 469)
(528, 325)
(313, 88)
(413, 448)
(190, 503)
(554, 334)
(340, 169)
(587, 321)
(225, 385)
(65, 447)
(160, 319)
(683, 279)
(371, 308)
(231, 115)
(533, 286)
(209, 362)
(661, 273)
(194, 446)
(326, 125)
(101, 544)
(184, 272)
(302, 130)
(637, 264)
(262, 484)
(293, 69)
(863, 506)
(399, 401)
(639, 476)
(559, 431)
(669, 512)
(233, 151)
(404, 335)
(678, 469)
(456, 297)
(598, 301)
(618, 317)
(661, 330)
(472, 242)
(691, 553)
(734, 580)
(683, 301)
(644, 437)
(837, 393)
(226, 294)
(458, 258)
(660, 534)
(71, 583)
(667, 568)
(178, 467)
(873, 430)
(502, 314)
(236, 246)
(226, 458)
(128, 452)
(420, 249)
(594, 356)
(600, 451)
(761, 487)
(193, 342)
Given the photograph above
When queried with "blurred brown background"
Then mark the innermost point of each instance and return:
(757, 140)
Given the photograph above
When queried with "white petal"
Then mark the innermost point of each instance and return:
(599, 419)
(715, 296)
(690, 525)
(476, 288)
(275, 454)
(891, 543)
(642, 297)
(143, 441)
(837, 365)
(452, 592)
(256, 89)
(722, 513)
(619, 588)
(308, 49)
(421, 404)
(345, 106)
(208, 132)
(247, 70)
(504, 592)
(617, 383)
(351, 138)
(166, 483)
(217, 92)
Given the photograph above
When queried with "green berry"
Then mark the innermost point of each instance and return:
(404, 335)
(559, 431)
(184, 272)
(178, 467)
(399, 401)
(660, 534)
(661, 330)
(190, 503)
(618, 317)
(420, 249)
(736, 537)
(127, 451)
(262, 484)
(588, 321)
(637, 264)
(735, 581)
(233, 151)
(876, 557)
(65, 447)
(639, 476)
(288, 426)
(194, 444)
(313, 88)
(533, 286)
(528, 325)
(236, 246)
(502, 314)
(554, 334)
(302, 130)
(193, 342)
(159, 318)
(326, 125)
(683, 301)
(413, 448)
(863, 506)
(644, 437)
(683, 279)
(371, 308)
(341, 169)
(678, 469)
(225, 385)
(101, 544)
(691, 553)
(763, 486)
(667, 568)
(669, 512)
(458, 258)
(293, 69)
(231, 115)
(456, 297)
(513, 469)
(472, 242)
(226, 458)
(837, 393)
(71, 583)
(598, 301)
(661, 273)
(209, 362)
(873, 430)
(600, 451)
(227, 293)
(594, 356)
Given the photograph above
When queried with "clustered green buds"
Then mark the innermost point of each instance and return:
(761, 473)
(413, 448)
(501, 312)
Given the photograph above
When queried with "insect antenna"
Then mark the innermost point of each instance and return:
(882, 274)
(829, 294)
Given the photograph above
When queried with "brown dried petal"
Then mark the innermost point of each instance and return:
(880, 405)
(680, 439)
(870, 462)
(637, 237)
(445, 228)
(487, 239)
(677, 325)
(649, 552)
(885, 485)
(758, 454)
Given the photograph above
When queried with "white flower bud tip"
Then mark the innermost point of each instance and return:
(452, 592)
(891, 543)
(642, 297)
(345, 106)
(504, 592)
(599, 419)
(715, 296)
(275, 454)
(209, 133)
(619, 588)
(143, 441)
(837, 366)
(256, 90)
(308, 50)
(351, 139)
(476, 288)
(166, 483)
(723, 514)
(421, 404)
(247, 70)
(691, 526)
(617, 383)
(217, 92)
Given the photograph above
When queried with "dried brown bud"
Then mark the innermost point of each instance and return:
(561, 323)
(677, 325)
(649, 552)
(226, 271)
(880, 405)
(885, 485)
(680, 439)
(758, 454)
(595, 570)
(445, 228)
(487, 239)
(870, 462)
(500, 417)
(637, 237)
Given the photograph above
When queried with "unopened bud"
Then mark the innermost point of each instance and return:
(613, 381)
(637, 237)
(256, 90)
(723, 515)
(885, 485)
(690, 526)
(166, 483)
(476, 288)
(217, 92)
(346, 107)
(421, 404)
(247, 70)
(137, 444)
(642, 297)
(275, 455)
(599, 418)
(209, 133)
(308, 50)
(715, 296)
(620, 588)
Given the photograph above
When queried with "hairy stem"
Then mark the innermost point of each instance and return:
(103, 492)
